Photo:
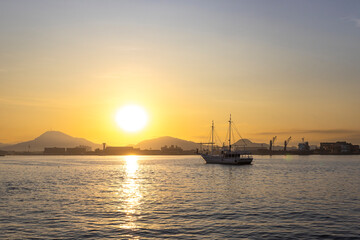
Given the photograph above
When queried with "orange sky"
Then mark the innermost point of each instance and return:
(69, 68)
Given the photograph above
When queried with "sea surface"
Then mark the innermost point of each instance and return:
(179, 197)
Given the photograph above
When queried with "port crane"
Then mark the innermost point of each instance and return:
(272, 142)
(286, 142)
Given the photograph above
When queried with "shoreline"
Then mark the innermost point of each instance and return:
(168, 154)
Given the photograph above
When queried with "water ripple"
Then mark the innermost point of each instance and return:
(147, 197)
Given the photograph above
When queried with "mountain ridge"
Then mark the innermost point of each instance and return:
(50, 139)
(60, 139)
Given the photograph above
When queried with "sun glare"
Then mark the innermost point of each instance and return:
(131, 118)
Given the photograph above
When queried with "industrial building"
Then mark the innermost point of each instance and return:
(171, 150)
(79, 150)
(54, 151)
(338, 148)
(121, 151)
(76, 151)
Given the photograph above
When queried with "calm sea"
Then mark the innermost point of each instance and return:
(179, 197)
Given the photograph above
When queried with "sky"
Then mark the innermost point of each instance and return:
(281, 68)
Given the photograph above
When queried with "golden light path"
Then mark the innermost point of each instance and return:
(130, 192)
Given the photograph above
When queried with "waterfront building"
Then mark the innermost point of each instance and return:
(121, 151)
(54, 151)
(171, 150)
(77, 150)
(338, 148)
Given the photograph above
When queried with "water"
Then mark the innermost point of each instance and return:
(179, 197)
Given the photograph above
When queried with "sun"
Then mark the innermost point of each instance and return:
(131, 118)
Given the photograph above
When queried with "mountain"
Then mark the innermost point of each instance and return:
(157, 143)
(51, 139)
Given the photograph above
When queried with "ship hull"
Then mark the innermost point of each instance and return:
(218, 159)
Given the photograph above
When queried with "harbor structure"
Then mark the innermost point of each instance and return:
(54, 151)
(121, 151)
(338, 148)
(304, 146)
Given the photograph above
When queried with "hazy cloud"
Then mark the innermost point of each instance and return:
(327, 135)
(357, 21)
(355, 138)
(311, 131)
(29, 102)
(353, 20)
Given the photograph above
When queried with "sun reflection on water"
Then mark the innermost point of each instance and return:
(131, 164)
(130, 193)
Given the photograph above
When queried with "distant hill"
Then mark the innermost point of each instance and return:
(50, 139)
(157, 143)
(3, 145)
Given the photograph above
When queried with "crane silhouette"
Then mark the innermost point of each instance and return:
(286, 142)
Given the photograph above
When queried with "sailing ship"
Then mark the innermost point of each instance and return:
(226, 156)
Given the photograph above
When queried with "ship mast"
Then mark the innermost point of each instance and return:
(212, 137)
(230, 134)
